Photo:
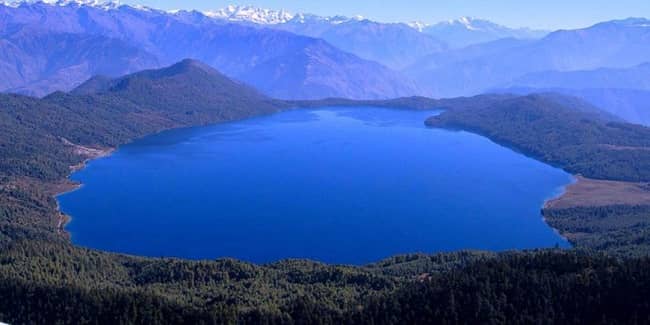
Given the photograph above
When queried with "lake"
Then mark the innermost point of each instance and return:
(337, 185)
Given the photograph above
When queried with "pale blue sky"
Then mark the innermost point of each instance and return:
(548, 14)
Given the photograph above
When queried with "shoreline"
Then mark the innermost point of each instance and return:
(562, 192)
(91, 154)
(567, 196)
(70, 186)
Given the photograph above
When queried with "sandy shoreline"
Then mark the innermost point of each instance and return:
(586, 192)
(561, 193)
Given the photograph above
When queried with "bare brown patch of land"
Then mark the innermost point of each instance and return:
(87, 152)
(587, 192)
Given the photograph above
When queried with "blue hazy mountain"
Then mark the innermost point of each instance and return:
(452, 56)
(636, 77)
(38, 62)
(623, 92)
(449, 73)
(59, 44)
(614, 44)
(149, 38)
(395, 45)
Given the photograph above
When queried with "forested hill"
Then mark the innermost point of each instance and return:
(186, 88)
(560, 131)
(41, 134)
(44, 279)
(189, 92)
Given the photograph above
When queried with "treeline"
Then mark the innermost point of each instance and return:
(550, 286)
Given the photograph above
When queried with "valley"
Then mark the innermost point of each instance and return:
(149, 102)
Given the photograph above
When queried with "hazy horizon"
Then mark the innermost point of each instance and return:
(548, 15)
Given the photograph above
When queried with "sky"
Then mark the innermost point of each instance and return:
(541, 14)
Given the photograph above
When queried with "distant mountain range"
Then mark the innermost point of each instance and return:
(278, 63)
(321, 57)
(251, 14)
(624, 92)
(53, 45)
(395, 45)
(477, 69)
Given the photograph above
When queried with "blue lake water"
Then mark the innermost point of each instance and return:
(339, 185)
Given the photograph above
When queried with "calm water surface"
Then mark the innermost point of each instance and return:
(340, 185)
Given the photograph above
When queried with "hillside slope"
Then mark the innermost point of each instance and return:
(109, 112)
(567, 134)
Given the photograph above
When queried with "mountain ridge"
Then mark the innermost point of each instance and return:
(634, 77)
(241, 52)
(613, 44)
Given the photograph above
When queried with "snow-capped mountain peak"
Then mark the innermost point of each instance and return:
(263, 16)
(334, 20)
(418, 25)
(251, 14)
(467, 22)
(470, 23)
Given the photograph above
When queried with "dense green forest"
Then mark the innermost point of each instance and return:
(49, 284)
(44, 279)
(561, 132)
(619, 229)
